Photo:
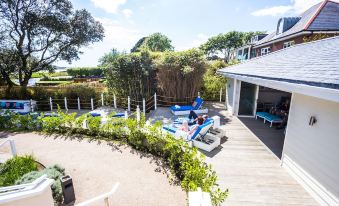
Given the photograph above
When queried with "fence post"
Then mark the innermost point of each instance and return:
(128, 104)
(102, 99)
(138, 113)
(92, 104)
(220, 94)
(51, 103)
(126, 115)
(115, 101)
(78, 103)
(199, 94)
(226, 97)
(155, 101)
(66, 107)
(144, 106)
(13, 148)
(31, 104)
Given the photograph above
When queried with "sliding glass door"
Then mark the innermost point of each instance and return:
(248, 99)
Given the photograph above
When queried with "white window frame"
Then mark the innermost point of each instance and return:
(288, 44)
(265, 51)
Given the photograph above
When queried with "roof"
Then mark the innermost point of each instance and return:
(323, 16)
(314, 64)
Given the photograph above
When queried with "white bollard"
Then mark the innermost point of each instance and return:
(92, 104)
(128, 104)
(13, 148)
(51, 103)
(126, 115)
(199, 94)
(144, 106)
(220, 94)
(138, 113)
(66, 106)
(102, 99)
(31, 104)
(155, 101)
(79, 103)
(115, 101)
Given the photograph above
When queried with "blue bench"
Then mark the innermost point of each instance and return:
(268, 117)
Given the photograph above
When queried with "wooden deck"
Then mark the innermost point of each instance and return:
(245, 163)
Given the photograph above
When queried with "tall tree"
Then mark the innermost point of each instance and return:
(109, 57)
(42, 32)
(223, 43)
(156, 42)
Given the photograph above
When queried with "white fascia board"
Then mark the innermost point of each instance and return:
(319, 92)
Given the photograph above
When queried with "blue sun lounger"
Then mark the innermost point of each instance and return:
(268, 117)
(185, 109)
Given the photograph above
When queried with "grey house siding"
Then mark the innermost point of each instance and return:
(315, 148)
(327, 19)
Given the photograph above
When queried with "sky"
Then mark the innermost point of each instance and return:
(188, 23)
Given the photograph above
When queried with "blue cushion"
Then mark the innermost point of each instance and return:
(262, 114)
(118, 115)
(182, 108)
(198, 104)
(3, 105)
(95, 114)
(271, 117)
(170, 128)
(19, 105)
(23, 113)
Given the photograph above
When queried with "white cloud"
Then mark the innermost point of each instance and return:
(127, 13)
(296, 7)
(110, 6)
(200, 39)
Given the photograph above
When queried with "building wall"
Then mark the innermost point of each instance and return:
(230, 92)
(279, 45)
(311, 153)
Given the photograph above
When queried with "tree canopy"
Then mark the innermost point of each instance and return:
(39, 33)
(224, 43)
(156, 42)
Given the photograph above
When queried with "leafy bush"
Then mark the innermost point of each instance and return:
(15, 168)
(185, 163)
(212, 82)
(86, 72)
(54, 172)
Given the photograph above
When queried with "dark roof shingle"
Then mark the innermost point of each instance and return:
(314, 63)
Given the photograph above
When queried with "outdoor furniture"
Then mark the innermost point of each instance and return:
(201, 138)
(268, 117)
(215, 119)
(17, 105)
(185, 109)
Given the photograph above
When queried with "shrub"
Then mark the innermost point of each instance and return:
(15, 168)
(212, 82)
(86, 72)
(184, 162)
(54, 172)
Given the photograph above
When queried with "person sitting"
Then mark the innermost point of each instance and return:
(194, 116)
(184, 127)
(200, 121)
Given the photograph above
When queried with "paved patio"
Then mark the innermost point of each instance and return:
(246, 165)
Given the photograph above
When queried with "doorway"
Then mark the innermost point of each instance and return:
(248, 99)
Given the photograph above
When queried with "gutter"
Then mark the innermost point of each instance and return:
(283, 38)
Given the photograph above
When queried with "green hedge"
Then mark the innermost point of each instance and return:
(186, 163)
(14, 168)
(86, 72)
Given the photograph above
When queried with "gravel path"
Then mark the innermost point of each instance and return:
(96, 167)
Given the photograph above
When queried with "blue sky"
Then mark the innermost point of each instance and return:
(188, 23)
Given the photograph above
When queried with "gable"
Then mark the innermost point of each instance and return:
(327, 19)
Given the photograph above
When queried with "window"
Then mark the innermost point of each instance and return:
(288, 44)
(265, 50)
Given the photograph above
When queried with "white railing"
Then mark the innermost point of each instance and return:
(12, 145)
(104, 197)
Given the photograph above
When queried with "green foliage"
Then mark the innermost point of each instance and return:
(15, 168)
(54, 172)
(156, 42)
(109, 57)
(185, 163)
(132, 75)
(86, 72)
(179, 74)
(41, 33)
(213, 82)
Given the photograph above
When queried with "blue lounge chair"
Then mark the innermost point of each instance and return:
(268, 117)
(185, 109)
